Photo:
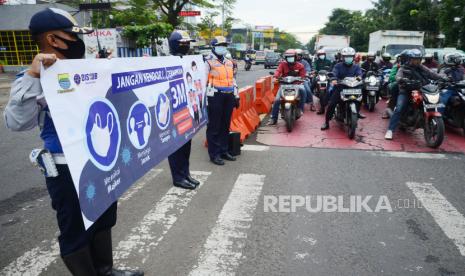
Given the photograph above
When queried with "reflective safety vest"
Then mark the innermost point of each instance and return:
(221, 75)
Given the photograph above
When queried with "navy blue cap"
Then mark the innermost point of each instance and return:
(55, 19)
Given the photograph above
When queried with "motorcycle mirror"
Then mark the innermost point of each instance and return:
(271, 73)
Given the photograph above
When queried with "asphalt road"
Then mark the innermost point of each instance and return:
(228, 225)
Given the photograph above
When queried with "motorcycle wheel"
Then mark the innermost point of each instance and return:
(434, 132)
(371, 103)
(288, 117)
(352, 125)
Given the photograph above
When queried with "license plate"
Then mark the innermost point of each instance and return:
(352, 91)
(433, 106)
(372, 88)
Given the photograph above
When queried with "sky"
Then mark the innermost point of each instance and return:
(299, 16)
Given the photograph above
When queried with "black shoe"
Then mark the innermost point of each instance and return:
(325, 126)
(192, 180)
(272, 122)
(80, 263)
(184, 184)
(217, 161)
(320, 111)
(228, 157)
(361, 116)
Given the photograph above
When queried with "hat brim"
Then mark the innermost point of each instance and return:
(79, 30)
(222, 44)
(187, 40)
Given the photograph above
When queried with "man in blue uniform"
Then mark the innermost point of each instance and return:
(179, 43)
(85, 253)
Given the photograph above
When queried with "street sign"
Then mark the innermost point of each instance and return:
(263, 28)
(189, 13)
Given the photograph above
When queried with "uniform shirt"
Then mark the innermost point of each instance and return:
(342, 70)
(27, 109)
(284, 70)
(212, 59)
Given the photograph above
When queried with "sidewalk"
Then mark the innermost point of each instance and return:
(5, 85)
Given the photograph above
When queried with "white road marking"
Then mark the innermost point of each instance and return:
(413, 155)
(451, 221)
(255, 148)
(142, 238)
(223, 249)
(33, 262)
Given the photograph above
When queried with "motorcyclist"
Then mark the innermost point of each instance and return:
(454, 72)
(385, 62)
(288, 67)
(401, 59)
(412, 70)
(370, 64)
(346, 68)
(337, 59)
(307, 84)
(321, 63)
(430, 62)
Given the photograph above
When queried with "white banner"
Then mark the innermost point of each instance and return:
(118, 118)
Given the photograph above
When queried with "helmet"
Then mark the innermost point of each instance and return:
(348, 51)
(219, 41)
(371, 55)
(403, 56)
(453, 59)
(299, 52)
(321, 52)
(414, 54)
(386, 57)
(179, 42)
(289, 54)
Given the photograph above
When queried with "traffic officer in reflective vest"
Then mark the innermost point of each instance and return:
(222, 97)
(179, 43)
(84, 252)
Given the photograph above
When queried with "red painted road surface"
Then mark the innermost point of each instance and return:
(370, 135)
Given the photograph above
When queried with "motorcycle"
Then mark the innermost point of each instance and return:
(371, 89)
(248, 64)
(346, 110)
(290, 98)
(455, 109)
(322, 84)
(422, 111)
(384, 91)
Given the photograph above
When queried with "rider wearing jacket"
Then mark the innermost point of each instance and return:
(454, 72)
(370, 64)
(321, 62)
(344, 69)
(307, 84)
(385, 62)
(289, 67)
(393, 86)
(413, 70)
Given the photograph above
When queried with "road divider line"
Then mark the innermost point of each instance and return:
(33, 262)
(156, 223)
(413, 155)
(222, 251)
(451, 221)
(255, 148)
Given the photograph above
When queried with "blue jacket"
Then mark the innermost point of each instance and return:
(341, 71)
(455, 72)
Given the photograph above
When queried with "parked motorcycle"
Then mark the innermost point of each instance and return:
(371, 89)
(346, 110)
(290, 98)
(422, 111)
(455, 109)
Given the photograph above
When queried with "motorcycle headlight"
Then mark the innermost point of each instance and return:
(322, 78)
(289, 98)
(289, 92)
(432, 98)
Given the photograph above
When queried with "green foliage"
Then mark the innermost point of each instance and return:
(146, 35)
(238, 38)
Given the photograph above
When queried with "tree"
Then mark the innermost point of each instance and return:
(238, 38)
(208, 26)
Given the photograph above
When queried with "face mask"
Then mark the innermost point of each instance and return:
(290, 59)
(76, 49)
(322, 57)
(220, 50)
(183, 49)
(348, 60)
(101, 137)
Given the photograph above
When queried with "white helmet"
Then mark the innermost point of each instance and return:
(371, 54)
(348, 51)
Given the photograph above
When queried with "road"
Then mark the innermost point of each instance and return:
(240, 221)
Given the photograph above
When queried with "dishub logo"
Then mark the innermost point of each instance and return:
(65, 83)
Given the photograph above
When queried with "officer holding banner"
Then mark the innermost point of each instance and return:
(222, 98)
(85, 253)
(179, 43)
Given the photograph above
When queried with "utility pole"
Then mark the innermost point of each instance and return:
(222, 23)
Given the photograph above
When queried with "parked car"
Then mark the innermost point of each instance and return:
(272, 59)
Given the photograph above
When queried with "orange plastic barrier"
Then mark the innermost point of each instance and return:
(262, 103)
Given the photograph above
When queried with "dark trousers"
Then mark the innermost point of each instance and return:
(334, 99)
(394, 88)
(220, 108)
(179, 162)
(65, 202)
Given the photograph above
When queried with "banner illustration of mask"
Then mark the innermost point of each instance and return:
(139, 125)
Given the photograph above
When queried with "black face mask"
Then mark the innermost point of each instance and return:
(183, 49)
(76, 49)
